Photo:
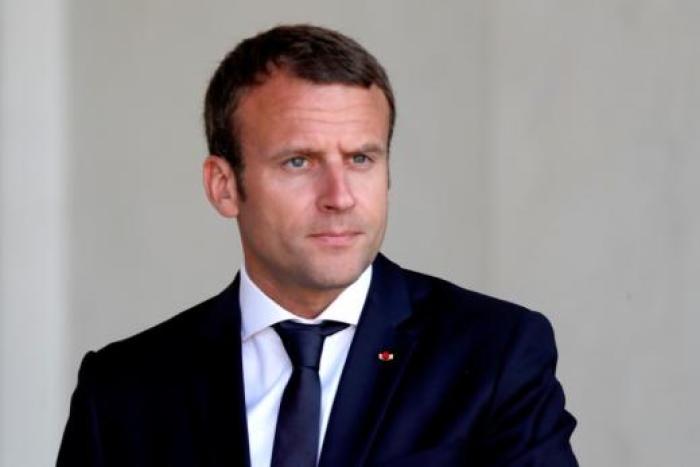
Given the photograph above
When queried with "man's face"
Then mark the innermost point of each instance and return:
(316, 182)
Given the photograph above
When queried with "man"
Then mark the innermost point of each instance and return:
(322, 350)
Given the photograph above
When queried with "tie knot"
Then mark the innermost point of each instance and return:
(303, 342)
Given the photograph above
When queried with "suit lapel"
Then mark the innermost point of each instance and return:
(219, 396)
(368, 381)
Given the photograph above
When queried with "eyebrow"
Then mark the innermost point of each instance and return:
(295, 151)
(370, 148)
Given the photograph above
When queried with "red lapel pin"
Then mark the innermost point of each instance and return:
(385, 356)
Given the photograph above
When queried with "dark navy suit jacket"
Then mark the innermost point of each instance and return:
(471, 383)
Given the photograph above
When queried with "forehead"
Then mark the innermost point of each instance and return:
(287, 104)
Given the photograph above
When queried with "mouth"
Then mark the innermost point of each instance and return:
(335, 239)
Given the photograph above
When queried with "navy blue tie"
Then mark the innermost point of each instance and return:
(298, 422)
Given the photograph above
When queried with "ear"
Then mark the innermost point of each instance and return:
(220, 185)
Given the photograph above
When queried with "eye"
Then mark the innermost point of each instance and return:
(360, 159)
(296, 162)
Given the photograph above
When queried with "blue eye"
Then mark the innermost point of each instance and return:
(360, 159)
(296, 162)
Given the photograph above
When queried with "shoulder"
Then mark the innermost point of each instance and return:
(508, 348)
(447, 305)
(180, 328)
(168, 346)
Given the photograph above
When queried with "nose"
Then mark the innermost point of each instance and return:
(335, 192)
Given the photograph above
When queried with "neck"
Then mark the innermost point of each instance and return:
(300, 301)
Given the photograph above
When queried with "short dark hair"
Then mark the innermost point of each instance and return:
(312, 53)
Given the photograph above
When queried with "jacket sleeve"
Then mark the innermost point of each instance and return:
(81, 445)
(528, 425)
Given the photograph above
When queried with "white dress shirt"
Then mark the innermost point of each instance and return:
(267, 368)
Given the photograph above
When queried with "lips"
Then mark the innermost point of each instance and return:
(335, 238)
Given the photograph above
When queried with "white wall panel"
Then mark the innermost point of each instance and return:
(33, 247)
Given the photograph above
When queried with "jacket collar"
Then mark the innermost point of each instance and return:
(219, 411)
(367, 384)
(378, 356)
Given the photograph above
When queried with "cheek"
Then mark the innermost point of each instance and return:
(285, 208)
(373, 194)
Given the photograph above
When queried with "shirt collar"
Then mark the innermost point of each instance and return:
(258, 311)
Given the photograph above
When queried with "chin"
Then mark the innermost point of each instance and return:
(337, 274)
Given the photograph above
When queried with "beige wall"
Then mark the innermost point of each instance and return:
(545, 152)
